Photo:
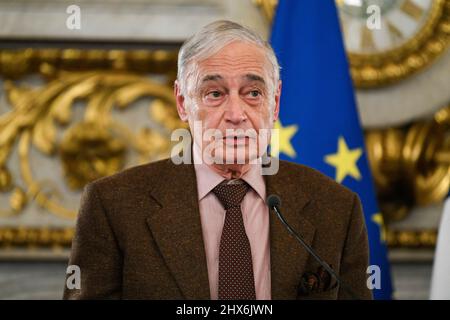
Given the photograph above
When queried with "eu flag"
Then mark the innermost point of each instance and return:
(319, 124)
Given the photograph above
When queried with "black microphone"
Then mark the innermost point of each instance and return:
(274, 202)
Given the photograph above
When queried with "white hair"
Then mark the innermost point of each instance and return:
(212, 38)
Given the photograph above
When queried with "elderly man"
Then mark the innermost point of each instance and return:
(202, 230)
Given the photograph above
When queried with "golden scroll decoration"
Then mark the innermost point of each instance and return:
(411, 164)
(97, 145)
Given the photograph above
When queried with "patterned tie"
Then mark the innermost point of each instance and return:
(236, 279)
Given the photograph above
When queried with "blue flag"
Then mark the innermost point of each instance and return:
(319, 124)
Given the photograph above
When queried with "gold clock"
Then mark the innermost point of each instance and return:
(388, 40)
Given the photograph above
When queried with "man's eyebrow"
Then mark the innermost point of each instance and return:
(248, 76)
(212, 77)
(254, 77)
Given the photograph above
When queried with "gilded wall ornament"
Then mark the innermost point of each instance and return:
(93, 147)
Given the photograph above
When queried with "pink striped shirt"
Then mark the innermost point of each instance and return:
(256, 221)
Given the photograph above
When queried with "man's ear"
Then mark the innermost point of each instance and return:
(276, 110)
(179, 98)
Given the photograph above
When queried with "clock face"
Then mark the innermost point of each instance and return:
(388, 40)
(376, 26)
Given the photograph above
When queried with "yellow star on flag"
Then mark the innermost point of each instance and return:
(345, 161)
(284, 137)
(378, 219)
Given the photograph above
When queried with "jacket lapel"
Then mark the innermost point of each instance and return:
(288, 257)
(176, 228)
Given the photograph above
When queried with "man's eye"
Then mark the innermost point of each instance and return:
(254, 93)
(214, 94)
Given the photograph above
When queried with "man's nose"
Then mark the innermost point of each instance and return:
(235, 111)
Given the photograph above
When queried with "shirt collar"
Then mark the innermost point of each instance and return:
(208, 179)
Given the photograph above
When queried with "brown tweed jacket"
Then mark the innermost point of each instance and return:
(139, 236)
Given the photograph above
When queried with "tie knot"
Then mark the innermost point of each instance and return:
(230, 195)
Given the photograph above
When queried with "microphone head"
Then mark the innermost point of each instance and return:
(273, 201)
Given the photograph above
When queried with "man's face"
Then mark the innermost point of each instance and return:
(232, 90)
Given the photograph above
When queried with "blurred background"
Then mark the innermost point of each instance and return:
(86, 91)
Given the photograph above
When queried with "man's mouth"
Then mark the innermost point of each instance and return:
(236, 140)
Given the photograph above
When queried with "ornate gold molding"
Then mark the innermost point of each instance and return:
(95, 146)
(411, 164)
(412, 239)
(35, 237)
(268, 8)
(17, 63)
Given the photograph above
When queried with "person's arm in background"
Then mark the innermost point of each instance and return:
(95, 252)
(355, 256)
